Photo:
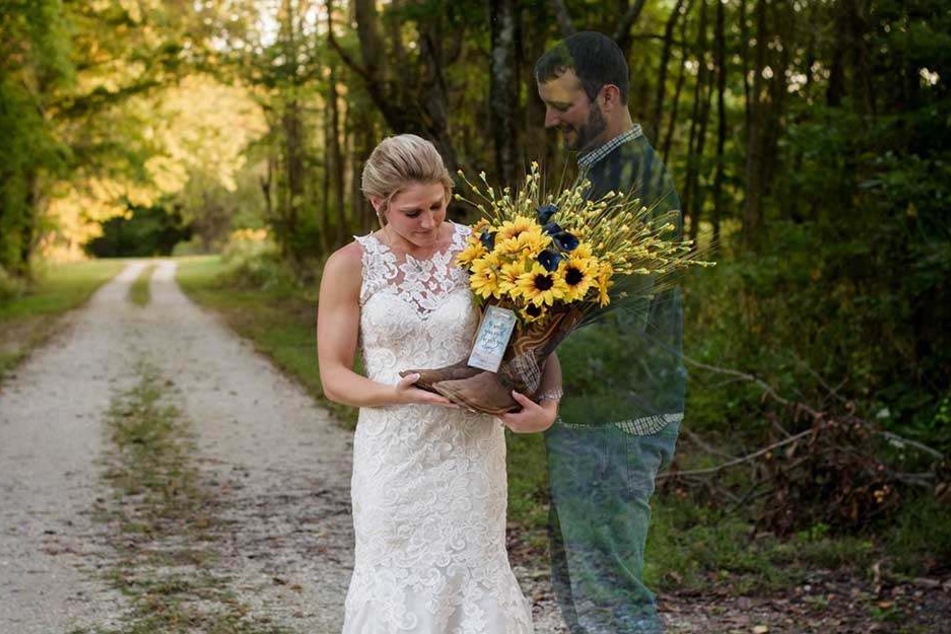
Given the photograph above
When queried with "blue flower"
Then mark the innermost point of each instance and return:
(545, 212)
(549, 260)
(487, 239)
(565, 241)
(562, 239)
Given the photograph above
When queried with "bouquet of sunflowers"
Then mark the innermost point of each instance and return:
(556, 262)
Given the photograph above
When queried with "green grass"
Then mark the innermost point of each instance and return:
(920, 537)
(528, 480)
(139, 292)
(28, 320)
(691, 547)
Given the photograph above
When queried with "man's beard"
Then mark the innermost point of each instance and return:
(585, 135)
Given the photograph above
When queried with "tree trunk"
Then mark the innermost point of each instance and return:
(720, 57)
(623, 33)
(662, 74)
(324, 221)
(704, 94)
(564, 20)
(335, 166)
(681, 79)
(534, 137)
(784, 19)
(753, 210)
(410, 99)
(503, 90)
(687, 198)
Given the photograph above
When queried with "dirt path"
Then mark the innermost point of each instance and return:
(50, 438)
(259, 535)
(272, 477)
(278, 466)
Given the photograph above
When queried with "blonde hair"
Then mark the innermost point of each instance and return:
(399, 161)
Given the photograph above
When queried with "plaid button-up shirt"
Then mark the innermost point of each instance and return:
(590, 158)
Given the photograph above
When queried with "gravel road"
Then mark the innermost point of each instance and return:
(278, 465)
(281, 464)
(274, 469)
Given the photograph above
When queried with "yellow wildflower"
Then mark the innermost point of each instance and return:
(484, 279)
(473, 251)
(604, 283)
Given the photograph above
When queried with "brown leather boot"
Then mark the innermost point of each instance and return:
(484, 392)
(428, 378)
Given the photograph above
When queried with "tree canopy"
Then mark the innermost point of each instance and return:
(809, 140)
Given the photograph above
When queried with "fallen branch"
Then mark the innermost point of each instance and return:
(831, 472)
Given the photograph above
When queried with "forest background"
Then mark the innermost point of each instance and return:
(809, 140)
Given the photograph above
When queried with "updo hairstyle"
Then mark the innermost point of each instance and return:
(399, 161)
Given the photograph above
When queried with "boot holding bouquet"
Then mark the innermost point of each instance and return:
(542, 266)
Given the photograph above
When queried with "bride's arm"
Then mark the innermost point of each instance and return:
(338, 324)
(536, 417)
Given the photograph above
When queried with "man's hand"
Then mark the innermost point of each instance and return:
(532, 418)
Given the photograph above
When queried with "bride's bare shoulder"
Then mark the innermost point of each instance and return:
(344, 264)
(349, 253)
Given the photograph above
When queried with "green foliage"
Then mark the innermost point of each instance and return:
(149, 231)
(10, 287)
(256, 264)
(919, 538)
(33, 60)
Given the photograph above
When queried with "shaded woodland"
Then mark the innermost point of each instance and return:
(809, 140)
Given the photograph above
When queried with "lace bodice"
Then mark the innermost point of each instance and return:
(424, 283)
(429, 484)
(414, 313)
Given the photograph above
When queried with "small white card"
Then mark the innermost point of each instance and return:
(493, 338)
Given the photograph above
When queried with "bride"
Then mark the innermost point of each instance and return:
(429, 481)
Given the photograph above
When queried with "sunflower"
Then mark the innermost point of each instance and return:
(532, 313)
(583, 250)
(508, 278)
(538, 286)
(513, 228)
(473, 251)
(484, 279)
(529, 242)
(481, 223)
(580, 275)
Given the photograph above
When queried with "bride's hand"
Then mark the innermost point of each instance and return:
(407, 393)
(532, 417)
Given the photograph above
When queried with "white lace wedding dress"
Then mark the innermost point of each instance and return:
(429, 483)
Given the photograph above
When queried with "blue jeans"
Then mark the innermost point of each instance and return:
(602, 479)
